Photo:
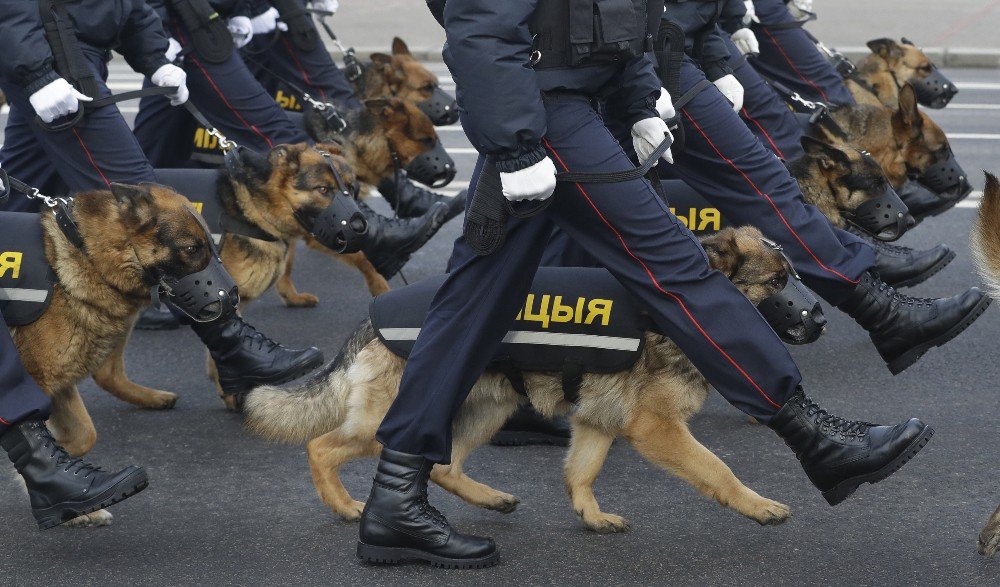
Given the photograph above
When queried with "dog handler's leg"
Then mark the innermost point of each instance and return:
(112, 378)
(669, 443)
(588, 450)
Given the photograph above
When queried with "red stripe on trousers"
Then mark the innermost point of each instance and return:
(657, 285)
(792, 64)
(91, 157)
(766, 135)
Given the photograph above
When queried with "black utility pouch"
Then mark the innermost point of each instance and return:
(211, 39)
(301, 28)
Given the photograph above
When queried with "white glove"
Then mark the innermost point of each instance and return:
(665, 105)
(241, 29)
(751, 15)
(327, 5)
(531, 183)
(746, 42)
(265, 23)
(55, 99)
(171, 75)
(647, 134)
(800, 9)
(731, 89)
(173, 50)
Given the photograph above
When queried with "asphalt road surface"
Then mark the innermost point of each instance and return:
(227, 508)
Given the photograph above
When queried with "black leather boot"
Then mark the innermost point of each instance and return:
(157, 317)
(903, 328)
(922, 202)
(399, 525)
(410, 200)
(839, 455)
(905, 267)
(245, 358)
(526, 426)
(391, 241)
(61, 487)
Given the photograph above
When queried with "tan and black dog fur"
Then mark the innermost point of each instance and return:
(399, 74)
(836, 179)
(902, 140)
(129, 237)
(338, 410)
(889, 66)
(986, 250)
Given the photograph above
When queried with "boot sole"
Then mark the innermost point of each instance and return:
(53, 516)
(845, 489)
(508, 438)
(246, 384)
(385, 555)
(930, 272)
(903, 361)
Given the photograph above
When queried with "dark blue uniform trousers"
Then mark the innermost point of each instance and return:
(791, 57)
(731, 169)
(20, 397)
(230, 98)
(313, 71)
(765, 112)
(629, 230)
(98, 150)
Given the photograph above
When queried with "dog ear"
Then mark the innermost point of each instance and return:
(381, 59)
(887, 49)
(723, 251)
(399, 47)
(827, 155)
(136, 204)
(908, 107)
(383, 107)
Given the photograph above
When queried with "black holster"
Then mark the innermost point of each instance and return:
(211, 39)
(669, 53)
(301, 28)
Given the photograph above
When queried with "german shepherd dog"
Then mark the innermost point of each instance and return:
(986, 250)
(889, 66)
(904, 141)
(836, 179)
(399, 74)
(338, 410)
(130, 234)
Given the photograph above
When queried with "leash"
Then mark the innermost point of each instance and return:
(329, 111)
(105, 101)
(819, 111)
(61, 208)
(353, 69)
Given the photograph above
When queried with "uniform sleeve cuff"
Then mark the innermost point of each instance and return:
(521, 158)
(716, 70)
(40, 82)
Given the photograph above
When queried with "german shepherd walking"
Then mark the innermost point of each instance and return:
(338, 410)
(884, 72)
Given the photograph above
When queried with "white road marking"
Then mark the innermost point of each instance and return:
(973, 136)
(978, 85)
(973, 107)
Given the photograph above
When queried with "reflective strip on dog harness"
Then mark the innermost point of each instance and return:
(16, 294)
(594, 341)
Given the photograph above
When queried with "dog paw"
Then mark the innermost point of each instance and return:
(607, 524)
(91, 520)
(162, 400)
(504, 503)
(352, 513)
(301, 300)
(989, 539)
(771, 513)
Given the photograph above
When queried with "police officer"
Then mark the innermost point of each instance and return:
(307, 63)
(231, 99)
(100, 148)
(60, 487)
(529, 76)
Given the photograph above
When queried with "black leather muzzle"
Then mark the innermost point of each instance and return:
(441, 108)
(203, 296)
(794, 312)
(947, 179)
(340, 227)
(884, 217)
(434, 168)
(935, 90)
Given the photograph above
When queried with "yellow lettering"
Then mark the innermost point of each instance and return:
(11, 260)
(578, 317)
(600, 308)
(683, 220)
(198, 206)
(711, 219)
(543, 310)
(203, 140)
(561, 313)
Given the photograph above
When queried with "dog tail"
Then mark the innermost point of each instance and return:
(309, 407)
(986, 236)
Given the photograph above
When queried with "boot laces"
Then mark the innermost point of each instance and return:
(894, 295)
(425, 507)
(63, 459)
(255, 339)
(893, 249)
(834, 424)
